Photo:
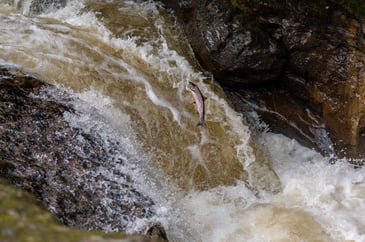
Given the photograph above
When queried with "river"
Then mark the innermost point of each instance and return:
(127, 63)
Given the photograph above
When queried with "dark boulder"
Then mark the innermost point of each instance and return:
(229, 44)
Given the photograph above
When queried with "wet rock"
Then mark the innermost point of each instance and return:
(22, 218)
(40, 6)
(233, 47)
(158, 231)
(319, 97)
(299, 64)
(65, 167)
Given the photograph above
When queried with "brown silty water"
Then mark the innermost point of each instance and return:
(131, 62)
(138, 57)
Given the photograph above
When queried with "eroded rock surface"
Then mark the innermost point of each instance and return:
(74, 173)
(299, 64)
(23, 219)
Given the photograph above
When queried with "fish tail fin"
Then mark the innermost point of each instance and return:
(202, 123)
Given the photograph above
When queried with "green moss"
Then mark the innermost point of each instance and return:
(23, 219)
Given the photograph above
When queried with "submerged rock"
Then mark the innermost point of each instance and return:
(22, 218)
(300, 65)
(39, 6)
(72, 172)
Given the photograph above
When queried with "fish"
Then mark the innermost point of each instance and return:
(199, 103)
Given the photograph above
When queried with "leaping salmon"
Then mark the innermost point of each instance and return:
(199, 103)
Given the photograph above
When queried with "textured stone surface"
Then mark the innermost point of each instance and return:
(74, 173)
(235, 50)
(22, 218)
(299, 64)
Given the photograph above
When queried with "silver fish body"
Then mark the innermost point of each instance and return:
(199, 103)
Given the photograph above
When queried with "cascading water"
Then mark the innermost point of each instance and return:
(28, 7)
(127, 65)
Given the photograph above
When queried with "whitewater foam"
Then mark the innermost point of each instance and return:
(317, 201)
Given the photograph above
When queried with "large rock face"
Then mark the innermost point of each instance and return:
(23, 219)
(234, 50)
(299, 64)
(74, 173)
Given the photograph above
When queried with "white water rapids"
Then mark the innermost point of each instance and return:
(128, 64)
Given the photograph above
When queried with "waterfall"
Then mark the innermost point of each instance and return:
(126, 66)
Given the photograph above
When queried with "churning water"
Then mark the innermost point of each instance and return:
(128, 64)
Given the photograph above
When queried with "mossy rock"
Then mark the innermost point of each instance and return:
(23, 219)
